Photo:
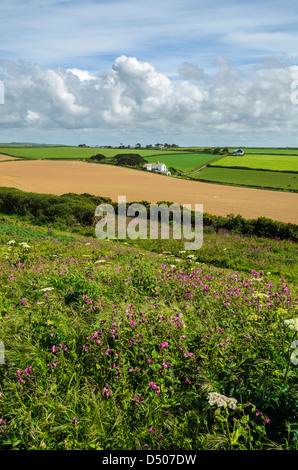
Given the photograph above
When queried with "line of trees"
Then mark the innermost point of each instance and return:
(121, 159)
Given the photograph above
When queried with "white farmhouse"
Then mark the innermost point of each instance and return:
(157, 166)
(238, 152)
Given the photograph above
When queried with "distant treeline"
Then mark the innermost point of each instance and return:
(78, 210)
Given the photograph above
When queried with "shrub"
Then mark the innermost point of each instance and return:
(98, 157)
(130, 159)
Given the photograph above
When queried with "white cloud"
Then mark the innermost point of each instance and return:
(32, 116)
(133, 97)
(81, 74)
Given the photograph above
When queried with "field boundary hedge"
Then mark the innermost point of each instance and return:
(250, 168)
(73, 210)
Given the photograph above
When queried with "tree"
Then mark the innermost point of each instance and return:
(130, 159)
(98, 157)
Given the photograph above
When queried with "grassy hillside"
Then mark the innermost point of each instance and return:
(111, 346)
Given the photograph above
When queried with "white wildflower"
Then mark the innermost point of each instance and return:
(260, 295)
(292, 324)
(11, 242)
(24, 245)
(46, 289)
(215, 398)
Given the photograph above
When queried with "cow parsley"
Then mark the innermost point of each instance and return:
(215, 398)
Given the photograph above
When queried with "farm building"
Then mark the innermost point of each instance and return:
(157, 166)
(238, 152)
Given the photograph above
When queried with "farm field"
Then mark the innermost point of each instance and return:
(6, 158)
(60, 177)
(186, 162)
(113, 347)
(183, 161)
(69, 152)
(269, 151)
(264, 179)
(259, 161)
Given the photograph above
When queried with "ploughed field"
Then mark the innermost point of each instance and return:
(60, 177)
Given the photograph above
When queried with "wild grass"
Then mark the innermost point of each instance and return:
(110, 346)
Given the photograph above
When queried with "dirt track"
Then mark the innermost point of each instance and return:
(44, 176)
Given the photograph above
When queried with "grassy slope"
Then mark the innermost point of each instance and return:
(122, 353)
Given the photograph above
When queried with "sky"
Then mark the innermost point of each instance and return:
(191, 72)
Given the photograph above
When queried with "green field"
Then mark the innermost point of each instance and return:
(256, 178)
(69, 152)
(265, 162)
(183, 161)
(266, 151)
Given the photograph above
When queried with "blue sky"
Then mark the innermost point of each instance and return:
(190, 72)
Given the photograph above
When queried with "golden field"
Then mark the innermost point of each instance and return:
(60, 177)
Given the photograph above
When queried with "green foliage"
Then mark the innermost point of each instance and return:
(130, 159)
(72, 210)
(66, 210)
(98, 157)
